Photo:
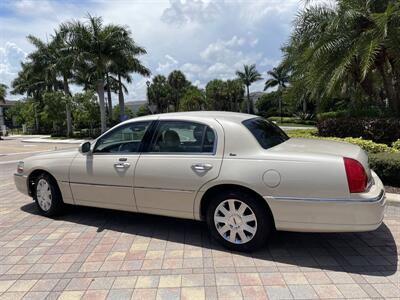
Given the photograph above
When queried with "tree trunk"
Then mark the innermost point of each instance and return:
(304, 105)
(389, 88)
(121, 100)
(109, 98)
(36, 117)
(248, 100)
(67, 106)
(100, 93)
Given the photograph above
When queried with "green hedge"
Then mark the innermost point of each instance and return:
(396, 145)
(379, 130)
(367, 145)
(384, 160)
(387, 166)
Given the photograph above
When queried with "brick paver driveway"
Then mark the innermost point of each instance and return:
(96, 254)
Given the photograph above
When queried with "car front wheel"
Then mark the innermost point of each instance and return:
(47, 196)
(239, 221)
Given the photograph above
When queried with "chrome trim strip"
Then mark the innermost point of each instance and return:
(368, 200)
(96, 184)
(165, 189)
(136, 187)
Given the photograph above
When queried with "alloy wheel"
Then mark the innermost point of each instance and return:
(235, 221)
(43, 194)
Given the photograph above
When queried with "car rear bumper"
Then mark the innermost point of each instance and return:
(21, 183)
(362, 212)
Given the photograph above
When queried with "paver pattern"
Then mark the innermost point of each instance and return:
(90, 253)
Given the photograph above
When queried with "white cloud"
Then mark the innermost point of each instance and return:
(168, 65)
(205, 39)
(30, 7)
(10, 59)
(199, 11)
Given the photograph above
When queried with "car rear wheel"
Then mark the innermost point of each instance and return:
(47, 196)
(238, 221)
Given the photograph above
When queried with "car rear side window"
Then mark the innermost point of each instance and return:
(183, 137)
(267, 133)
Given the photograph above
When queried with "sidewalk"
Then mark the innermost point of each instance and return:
(47, 139)
(393, 199)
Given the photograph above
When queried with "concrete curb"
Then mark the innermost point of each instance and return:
(393, 199)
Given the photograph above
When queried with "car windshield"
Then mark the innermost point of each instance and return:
(267, 133)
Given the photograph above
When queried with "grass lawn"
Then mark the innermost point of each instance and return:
(295, 125)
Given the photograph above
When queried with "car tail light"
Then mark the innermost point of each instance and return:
(356, 177)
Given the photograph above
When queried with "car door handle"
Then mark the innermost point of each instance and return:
(120, 165)
(202, 167)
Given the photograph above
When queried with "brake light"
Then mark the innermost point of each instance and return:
(356, 176)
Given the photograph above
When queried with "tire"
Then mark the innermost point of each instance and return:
(47, 196)
(244, 238)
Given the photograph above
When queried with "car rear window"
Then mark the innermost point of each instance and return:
(267, 133)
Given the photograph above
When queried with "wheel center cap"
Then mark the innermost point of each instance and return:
(235, 221)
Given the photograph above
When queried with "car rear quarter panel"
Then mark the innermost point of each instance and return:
(300, 175)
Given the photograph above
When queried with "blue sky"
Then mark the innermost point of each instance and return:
(205, 39)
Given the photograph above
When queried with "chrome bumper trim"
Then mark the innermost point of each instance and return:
(376, 199)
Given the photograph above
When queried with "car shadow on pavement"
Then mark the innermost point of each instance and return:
(368, 253)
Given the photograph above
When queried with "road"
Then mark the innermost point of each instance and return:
(13, 149)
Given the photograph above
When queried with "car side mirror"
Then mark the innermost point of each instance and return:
(84, 148)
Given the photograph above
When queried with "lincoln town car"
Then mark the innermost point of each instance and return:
(239, 173)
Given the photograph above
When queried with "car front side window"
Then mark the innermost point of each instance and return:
(124, 139)
(183, 137)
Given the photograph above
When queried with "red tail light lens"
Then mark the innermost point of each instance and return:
(356, 176)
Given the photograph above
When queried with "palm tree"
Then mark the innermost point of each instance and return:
(123, 69)
(65, 59)
(33, 82)
(193, 99)
(349, 50)
(49, 62)
(98, 47)
(235, 93)
(248, 76)
(280, 79)
(178, 83)
(159, 93)
(95, 47)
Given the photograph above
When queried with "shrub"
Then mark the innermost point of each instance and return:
(367, 145)
(378, 130)
(387, 166)
(332, 114)
(396, 145)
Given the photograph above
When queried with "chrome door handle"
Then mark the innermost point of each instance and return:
(120, 165)
(202, 167)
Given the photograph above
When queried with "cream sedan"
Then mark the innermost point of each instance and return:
(240, 173)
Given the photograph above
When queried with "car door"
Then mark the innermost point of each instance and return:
(104, 177)
(182, 156)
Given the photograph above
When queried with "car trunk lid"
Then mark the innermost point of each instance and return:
(318, 146)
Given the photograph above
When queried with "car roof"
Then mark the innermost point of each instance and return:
(220, 115)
